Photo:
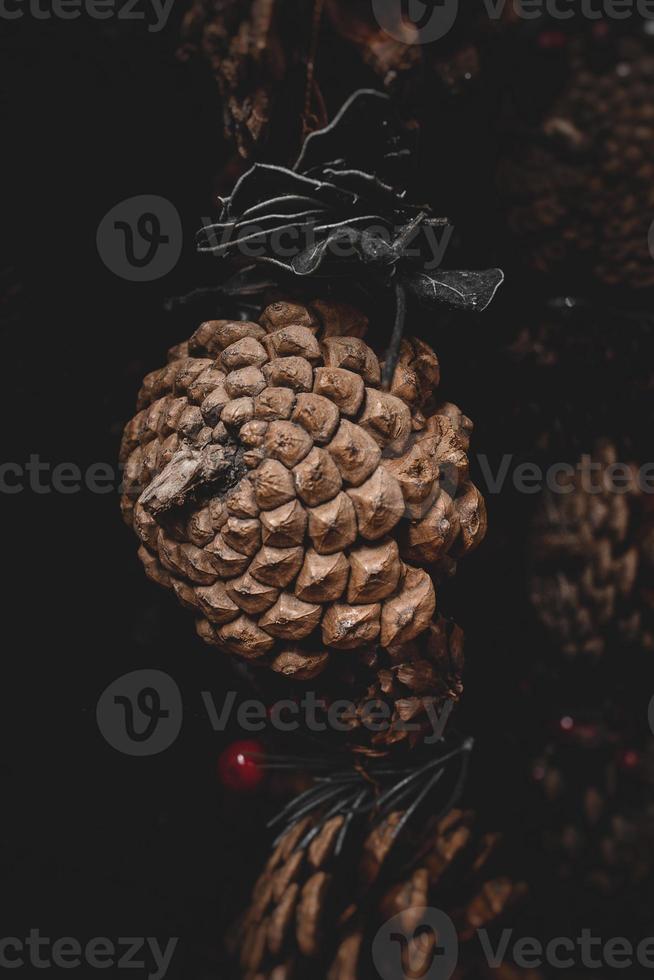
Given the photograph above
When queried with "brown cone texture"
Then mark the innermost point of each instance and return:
(409, 688)
(580, 193)
(591, 550)
(288, 501)
(313, 914)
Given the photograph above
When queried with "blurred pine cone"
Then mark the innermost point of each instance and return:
(316, 915)
(248, 53)
(595, 786)
(591, 558)
(580, 187)
(258, 53)
(292, 504)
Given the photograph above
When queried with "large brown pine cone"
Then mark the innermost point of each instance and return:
(287, 499)
(591, 554)
(580, 188)
(313, 914)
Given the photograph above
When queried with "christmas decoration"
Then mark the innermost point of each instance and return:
(284, 485)
(576, 174)
(304, 497)
(591, 557)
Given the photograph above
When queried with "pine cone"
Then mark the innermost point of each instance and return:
(591, 562)
(579, 189)
(267, 473)
(243, 46)
(596, 786)
(315, 915)
(257, 53)
(395, 700)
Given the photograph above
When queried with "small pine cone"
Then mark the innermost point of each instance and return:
(315, 914)
(292, 503)
(578, 191)
(589, 548)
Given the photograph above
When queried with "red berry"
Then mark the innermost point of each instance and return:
(237, 770)
(630, 759)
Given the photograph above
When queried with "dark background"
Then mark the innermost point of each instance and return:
(94, 843)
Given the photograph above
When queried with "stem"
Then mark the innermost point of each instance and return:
(396, 338)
